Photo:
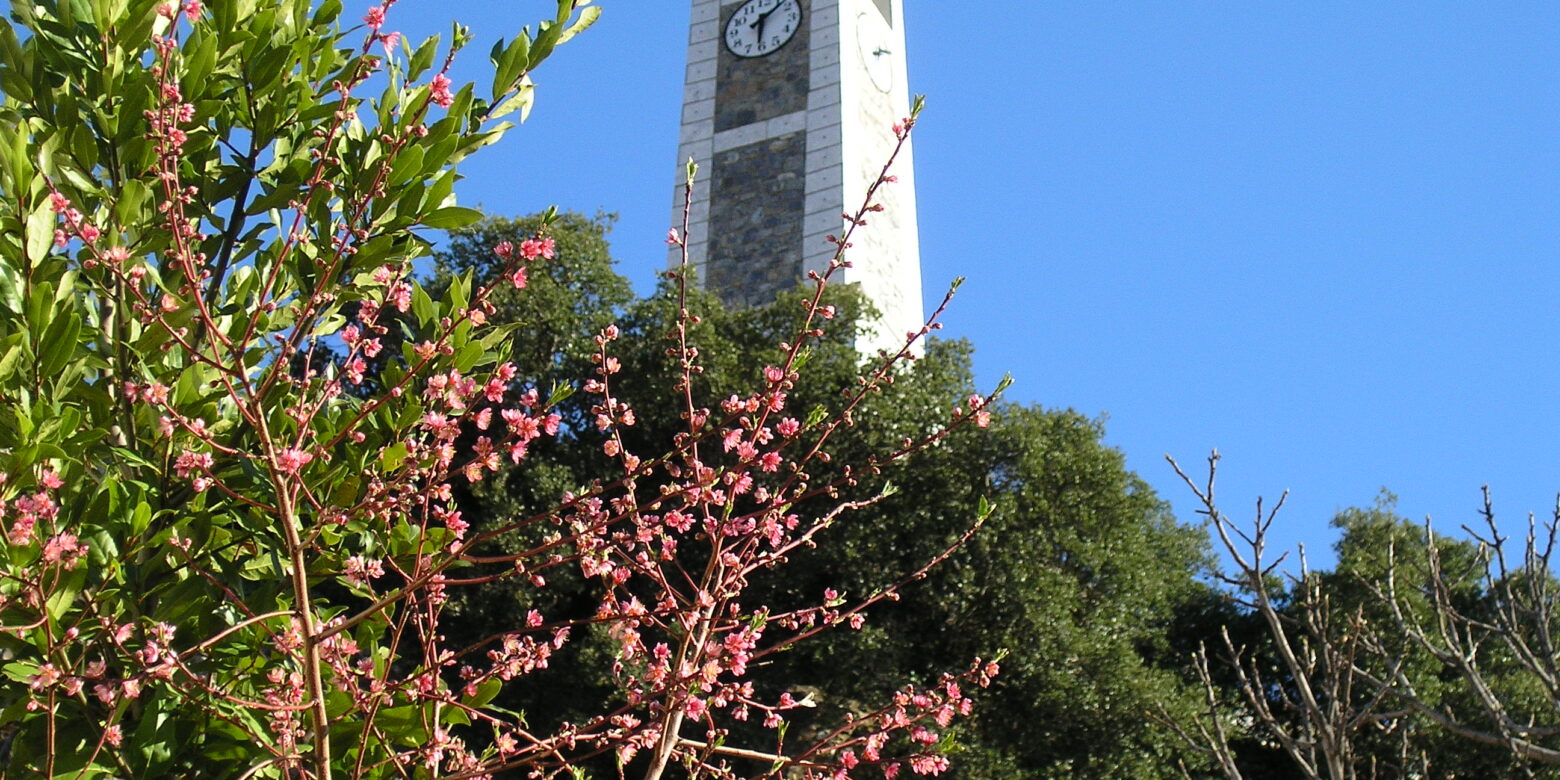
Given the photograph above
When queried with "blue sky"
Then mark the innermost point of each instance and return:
(1322, 237)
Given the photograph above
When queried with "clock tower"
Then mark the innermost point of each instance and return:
(788, 110)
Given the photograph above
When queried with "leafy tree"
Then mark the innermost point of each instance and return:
(238, 434)
(1079, 573)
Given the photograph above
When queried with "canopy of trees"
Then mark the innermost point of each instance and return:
(1079, 575)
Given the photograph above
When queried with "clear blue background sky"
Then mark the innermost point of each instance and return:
(1323, 237)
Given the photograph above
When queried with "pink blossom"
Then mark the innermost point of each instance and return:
(440, 90)
(375, 18)
(493, 391)
(401, 295)
(355, 369)
(46, 677)
(732, 438)
(63, 548)
(192, 10)
(291, 460)
(533, 248)
(360, 570)
(678, 520)
(113, 735)
(506, 744)
(190, 462)
(155, 393)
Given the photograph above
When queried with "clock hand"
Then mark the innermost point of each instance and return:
(763, 19)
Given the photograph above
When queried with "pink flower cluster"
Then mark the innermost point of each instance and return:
(530, 249)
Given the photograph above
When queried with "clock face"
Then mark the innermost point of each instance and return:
(873, 44)
(760, 27)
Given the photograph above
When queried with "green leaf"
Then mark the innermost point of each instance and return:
(560, 393)
(514, 61)
(59, 343)
(11, 355)
(327, 13)
(422, 59)
(587, 18)
(408, 163)
(40, 307)
(393, 456)
(522, 100)
(469, 356)
(457, 294)
(439, 193)
(40, 232)
(486, 691)
(815, 416)
(20, 671)
(423, 307)
(451, 217)
(63, 595)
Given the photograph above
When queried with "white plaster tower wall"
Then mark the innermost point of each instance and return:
(856, 89)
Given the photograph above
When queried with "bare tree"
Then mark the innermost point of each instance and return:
(1508, 634)
(1462, 643)
(1320, 701)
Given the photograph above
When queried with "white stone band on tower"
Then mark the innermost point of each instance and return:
(787, 141)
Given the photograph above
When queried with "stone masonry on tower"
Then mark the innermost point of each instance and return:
(788, 111)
